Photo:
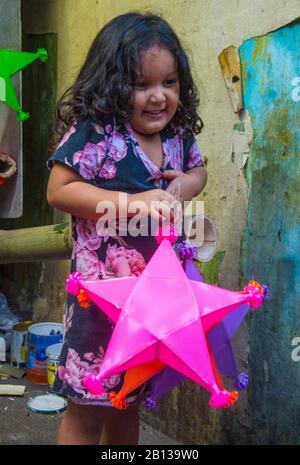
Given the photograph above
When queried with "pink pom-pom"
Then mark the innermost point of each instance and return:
(93, 384)
(73, 283)
(256, 296)
(166, 231)
(219, 399)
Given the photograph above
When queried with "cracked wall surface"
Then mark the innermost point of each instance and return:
(271, 246)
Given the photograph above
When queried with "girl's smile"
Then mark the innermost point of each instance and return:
(156, 114)
(156, 92)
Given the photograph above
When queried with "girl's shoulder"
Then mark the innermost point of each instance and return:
(85, 130)
(186, 144)
(91, 148)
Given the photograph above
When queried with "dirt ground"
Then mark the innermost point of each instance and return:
(19, 425)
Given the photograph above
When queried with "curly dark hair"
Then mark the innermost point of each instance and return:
(105, 82)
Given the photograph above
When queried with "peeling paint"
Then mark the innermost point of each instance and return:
(230, 64)
(271, 247)
(241, 140)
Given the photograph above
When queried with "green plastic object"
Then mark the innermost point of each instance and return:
(11, 62)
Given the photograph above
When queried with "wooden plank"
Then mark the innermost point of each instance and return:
(52, 242)
(14, 372)
(11, 390)
(231, 68)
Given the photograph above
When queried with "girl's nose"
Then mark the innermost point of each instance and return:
(157, 96)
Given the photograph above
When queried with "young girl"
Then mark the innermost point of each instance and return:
(126, 125)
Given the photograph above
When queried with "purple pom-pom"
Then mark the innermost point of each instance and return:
(266, 292)
(187, 250)
(242, 381)
(150, 403)
(256, 297)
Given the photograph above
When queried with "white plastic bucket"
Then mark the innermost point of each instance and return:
(53, 353)
(41, 336)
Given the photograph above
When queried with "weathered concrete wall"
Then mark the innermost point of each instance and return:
(271, 244)
(206, 27)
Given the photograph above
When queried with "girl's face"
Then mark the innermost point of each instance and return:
(156, 92)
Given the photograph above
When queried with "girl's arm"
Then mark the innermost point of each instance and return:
(67, 191)
(192, 182)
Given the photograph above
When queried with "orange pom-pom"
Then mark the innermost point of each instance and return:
(118, 401)
(83, 299)
(256, 284)
(233, 397)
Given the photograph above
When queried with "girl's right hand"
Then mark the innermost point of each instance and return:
(156, 203)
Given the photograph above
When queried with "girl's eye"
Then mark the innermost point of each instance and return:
(170, 82)
(141, 85)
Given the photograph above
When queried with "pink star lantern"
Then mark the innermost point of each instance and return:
(162, 315)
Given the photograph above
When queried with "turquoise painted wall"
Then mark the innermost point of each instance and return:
(271, 243)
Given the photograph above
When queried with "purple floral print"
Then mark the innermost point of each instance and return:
(195, 157)
(89, 159)
(117, 146)
(88, 263)
(173, 150)
(73, 373)
(108, 170)
(87, 236)
(124, 262)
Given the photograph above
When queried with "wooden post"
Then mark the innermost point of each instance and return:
(229, 60)
(53, 242)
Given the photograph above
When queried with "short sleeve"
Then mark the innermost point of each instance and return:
(192, 155)
(82, 148)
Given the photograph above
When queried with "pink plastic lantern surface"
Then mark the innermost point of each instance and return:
(162, 315)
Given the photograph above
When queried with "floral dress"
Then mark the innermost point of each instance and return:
(109, 157)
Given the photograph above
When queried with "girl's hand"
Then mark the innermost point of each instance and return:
(155, 203)
(189, 184)
(178, 183)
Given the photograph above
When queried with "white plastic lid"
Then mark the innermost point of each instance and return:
(54, 349)
(44, 329)
(47, 404)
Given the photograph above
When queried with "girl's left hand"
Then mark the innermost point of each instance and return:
(189, 184)
(178, 182)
